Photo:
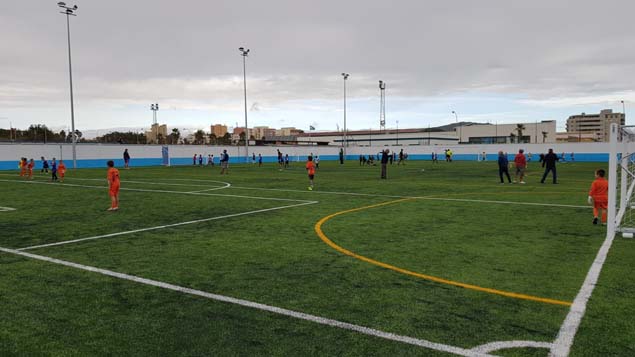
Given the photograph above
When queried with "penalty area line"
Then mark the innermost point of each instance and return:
(258, 306)
(6, 209)
(165, 226)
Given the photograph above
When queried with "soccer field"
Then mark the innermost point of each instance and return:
(440, 259)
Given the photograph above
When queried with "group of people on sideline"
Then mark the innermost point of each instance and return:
(548, 161)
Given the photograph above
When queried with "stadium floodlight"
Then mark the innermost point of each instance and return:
(382, 105)
(70, 11)
(344, 142)
(154, 108)
(245, 52)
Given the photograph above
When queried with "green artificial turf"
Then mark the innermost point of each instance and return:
(459, 224)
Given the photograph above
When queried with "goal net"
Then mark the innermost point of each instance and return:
(621, 209)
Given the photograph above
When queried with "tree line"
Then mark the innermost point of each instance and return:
(38, 133)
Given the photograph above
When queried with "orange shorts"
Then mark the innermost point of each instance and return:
(603, 203)
(114, 190)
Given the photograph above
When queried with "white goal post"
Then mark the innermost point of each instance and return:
(621, 207)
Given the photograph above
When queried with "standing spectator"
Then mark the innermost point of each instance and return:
(599, 196)
(521, 163)
(286, 161)
(549, 163)
(212, 159)
(200, 159)
(259, 160)
(503, 167)
(435, 158)
(484, 156)
(401, 158)
(253, 158)
(317, 161)
(45, 165)
(341, 156)
(209, 159)
(126, 159)
(224, 162)
(384, 162)
(572, 159)
(194, 160)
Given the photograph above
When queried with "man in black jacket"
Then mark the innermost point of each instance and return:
(549, 163)
(384, 162)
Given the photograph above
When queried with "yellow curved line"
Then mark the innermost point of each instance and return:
(325, 239)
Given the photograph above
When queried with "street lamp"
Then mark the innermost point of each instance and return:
(397, 132)
(345, 76)
(457, 121)
(69, 11)
(244, 52)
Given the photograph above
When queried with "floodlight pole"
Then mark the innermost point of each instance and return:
(69, 11)
(345, 143)
(456, 117)
(624, 111)
(244, 52)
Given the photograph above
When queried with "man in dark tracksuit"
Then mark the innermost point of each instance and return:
(503, 167)
(549, 163)
(384, 162)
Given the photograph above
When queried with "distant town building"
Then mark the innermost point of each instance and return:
(157, 134)
(288, 131)
(219, 130)
(259, 132)
(530, 133)
(596, 124)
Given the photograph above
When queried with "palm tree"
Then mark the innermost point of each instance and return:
(199, 137)
(212, 139)
(519, 129)
(544, 136)
(511, 138)
(176, 134)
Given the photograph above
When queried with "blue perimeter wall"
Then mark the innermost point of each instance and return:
(181, 161)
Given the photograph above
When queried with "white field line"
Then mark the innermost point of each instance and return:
(208, 189)
(501, 345)
(166, 226)
(258, 306)
(419, 197)
(562, 344)
(159, 191)
(6, 209)
(225, 184)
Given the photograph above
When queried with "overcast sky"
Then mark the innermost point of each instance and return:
(490, 61)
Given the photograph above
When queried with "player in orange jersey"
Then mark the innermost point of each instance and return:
(310, 168)
(61, 168)
(23, 166)
(599, 196)
(113, 186)
(30, 167)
